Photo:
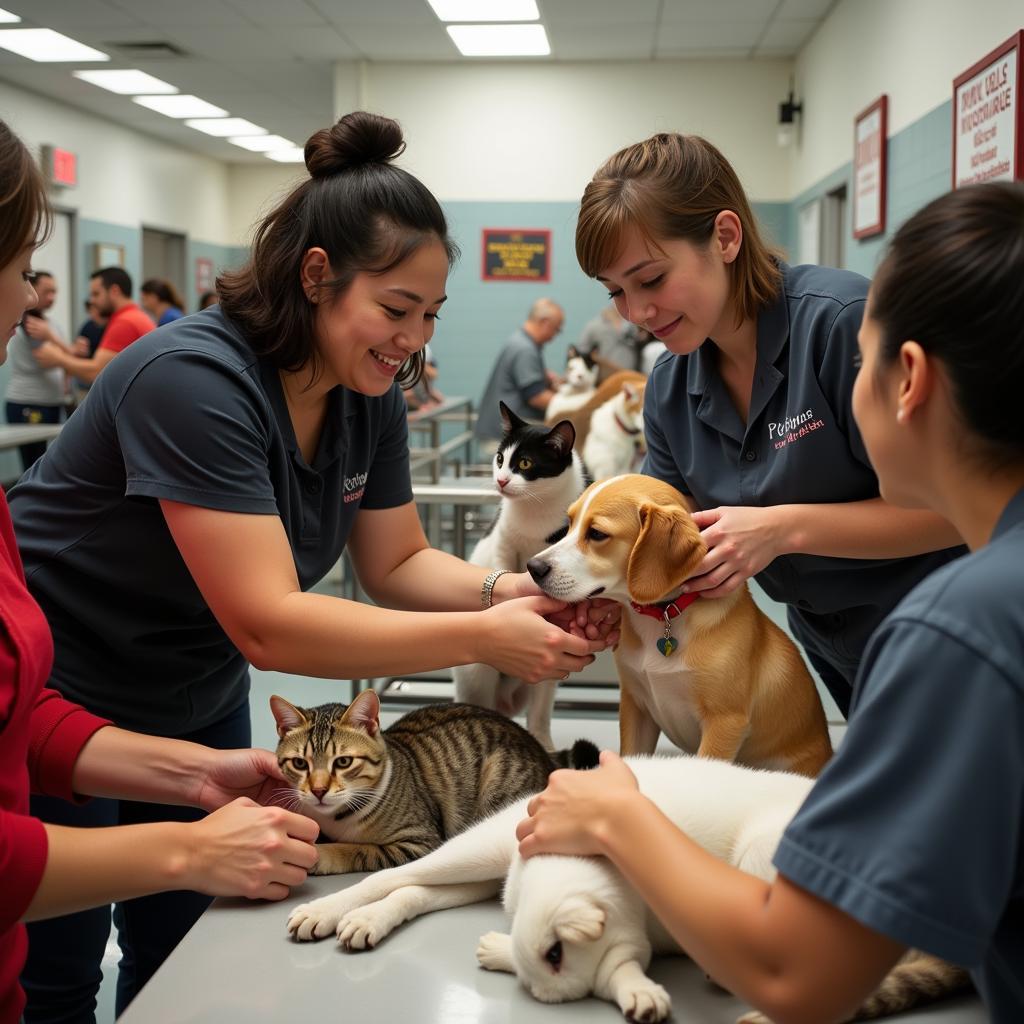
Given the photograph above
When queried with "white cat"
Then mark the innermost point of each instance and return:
(615, 440)
(581, 373)
(538, 476)
(578, 928)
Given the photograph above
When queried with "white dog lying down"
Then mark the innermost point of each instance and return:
(578, 928)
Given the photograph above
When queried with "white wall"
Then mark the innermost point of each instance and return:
(125, 177)
(253, 191)
(531, 131)
(910, 49)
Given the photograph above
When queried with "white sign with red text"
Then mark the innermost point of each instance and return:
(986, 122)
(869, 173)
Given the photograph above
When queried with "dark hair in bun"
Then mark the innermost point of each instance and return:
(951, 281)
(366, 213)
(356, 139)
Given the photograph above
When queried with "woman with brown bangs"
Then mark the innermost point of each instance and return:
(749, 411)
(220, 467)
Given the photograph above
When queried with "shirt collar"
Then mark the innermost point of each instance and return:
(1012, 515)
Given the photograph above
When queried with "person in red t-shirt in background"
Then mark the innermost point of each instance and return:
(110, 290)
(53, 746)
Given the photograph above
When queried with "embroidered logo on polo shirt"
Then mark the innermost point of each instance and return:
(354, 487)
(793, 428)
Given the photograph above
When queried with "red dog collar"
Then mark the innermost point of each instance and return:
(667, 609)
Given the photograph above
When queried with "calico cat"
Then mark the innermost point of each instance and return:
(577, 926)
(538, 476)
(387, 797)
(581, 373)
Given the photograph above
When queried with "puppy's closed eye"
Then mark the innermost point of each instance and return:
(596, 535)
(554, 956)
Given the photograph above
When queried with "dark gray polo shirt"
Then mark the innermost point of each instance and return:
(916, 826)
(190, 414)
(518, 376)
(800, 445)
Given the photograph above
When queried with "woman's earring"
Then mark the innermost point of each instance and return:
(901, 414)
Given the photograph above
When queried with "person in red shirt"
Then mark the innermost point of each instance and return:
(53, 746)
(110, 290)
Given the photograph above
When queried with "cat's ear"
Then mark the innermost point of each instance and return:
(364, 713)
(509, 418)
(630, 390)
(561, 437)
(572, 352)
(287, 715)
(579, 919)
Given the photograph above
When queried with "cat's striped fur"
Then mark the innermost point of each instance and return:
(388, 797)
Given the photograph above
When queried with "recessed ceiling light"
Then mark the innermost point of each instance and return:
(126, 83)
(222, 127)
(500, 40)
(295, 155)
(7, 18)
(495, 10)
(262, 143)
(43, 44)
(180, 106)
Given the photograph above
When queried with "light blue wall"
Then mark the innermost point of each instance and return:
(920, 169)
(480, 315)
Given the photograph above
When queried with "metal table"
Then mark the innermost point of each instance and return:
(15, 435)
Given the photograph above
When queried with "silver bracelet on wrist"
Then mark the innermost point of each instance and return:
(487, 590)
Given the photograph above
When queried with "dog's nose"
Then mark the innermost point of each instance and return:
(538, 568)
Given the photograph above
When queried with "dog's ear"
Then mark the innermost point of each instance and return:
(667, 550)
(579, 919)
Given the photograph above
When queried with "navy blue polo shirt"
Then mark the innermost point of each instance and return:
(916, 826)
(800, 445)
(189, 414)
(518, 376)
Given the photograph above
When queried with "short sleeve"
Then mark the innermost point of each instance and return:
(914, 827)
(658, 462)
(389, 483)
(528, 375)
(838, 372)
(193, 429)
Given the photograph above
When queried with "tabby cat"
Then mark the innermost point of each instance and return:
(538, 476)
(387, 797)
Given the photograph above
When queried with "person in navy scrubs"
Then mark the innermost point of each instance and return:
(219, 469)
(748, 412)
(913, 836)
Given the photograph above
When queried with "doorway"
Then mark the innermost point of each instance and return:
(163, 256)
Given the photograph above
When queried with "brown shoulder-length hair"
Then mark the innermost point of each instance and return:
(673, 186)
(25, 216)
(367, 215)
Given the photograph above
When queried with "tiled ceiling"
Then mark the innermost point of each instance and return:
(271, 61)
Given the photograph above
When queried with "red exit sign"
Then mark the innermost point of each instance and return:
(60, 166)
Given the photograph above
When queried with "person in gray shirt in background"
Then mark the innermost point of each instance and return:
(35, 395)
(520, 378)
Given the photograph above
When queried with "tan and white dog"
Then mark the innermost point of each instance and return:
(717, 677)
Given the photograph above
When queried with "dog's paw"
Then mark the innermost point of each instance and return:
(364, 927)
(317, 919)
(494, 951)
(754, 1017)
(646, 1004)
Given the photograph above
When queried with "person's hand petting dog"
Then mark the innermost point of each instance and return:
(570, 816)
(592, 619)
(741, 541)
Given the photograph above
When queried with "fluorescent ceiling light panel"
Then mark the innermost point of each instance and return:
(500, 40)
(222, 127)
(7, 18)
(485, 10)
(43, 44)
(262, 143)
(295, 155)
(126, 83)
(180, 106)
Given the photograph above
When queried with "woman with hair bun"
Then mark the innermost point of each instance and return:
(219, 469)
(748, 413)
(913, 836)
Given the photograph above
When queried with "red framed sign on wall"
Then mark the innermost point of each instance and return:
(988, 120)
(516, 254)
(870, 168)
